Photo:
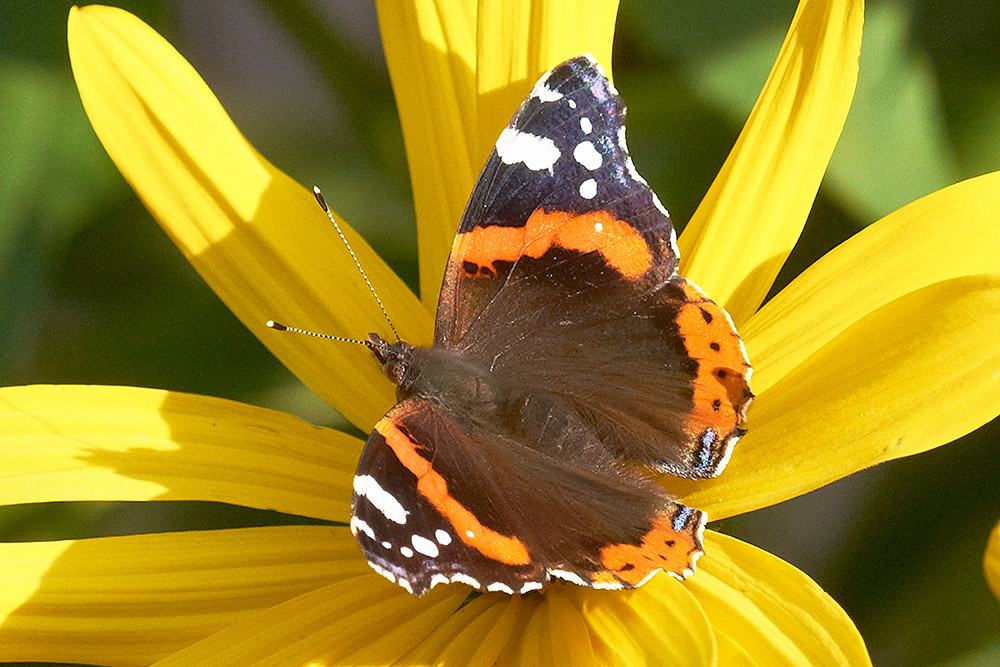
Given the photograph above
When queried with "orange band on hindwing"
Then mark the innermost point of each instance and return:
(721, 389)
(673, 544)
(434, 488)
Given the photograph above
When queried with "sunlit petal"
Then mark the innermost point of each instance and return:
(555, 635)
(361, 621)
(517, 42)
(257, 237)
(916, 373)
(771, 610)
(475, 635)
(731, 654)
(61, 443)
(752, 215)
(431, 52)
(131, 600)
(660, 623)
(901, 253)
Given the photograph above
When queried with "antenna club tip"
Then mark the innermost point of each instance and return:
(276, 325)
(321, 199)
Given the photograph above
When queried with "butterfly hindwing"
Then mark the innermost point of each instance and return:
(440, 499)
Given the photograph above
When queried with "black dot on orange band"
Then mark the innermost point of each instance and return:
(705, 315)
(715, 346)
(716, 404)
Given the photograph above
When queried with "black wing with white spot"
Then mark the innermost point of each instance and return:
(563, 151)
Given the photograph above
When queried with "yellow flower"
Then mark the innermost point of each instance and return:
(837, 362)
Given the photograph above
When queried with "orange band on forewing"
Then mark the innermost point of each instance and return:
(621, 245)
(434, 488)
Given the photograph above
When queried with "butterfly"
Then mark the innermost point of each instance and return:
(570, 365)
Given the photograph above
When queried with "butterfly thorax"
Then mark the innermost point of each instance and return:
(440, 375)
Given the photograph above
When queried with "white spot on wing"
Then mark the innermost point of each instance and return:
(499, 587)
(442, 537)
(386, 545)
(385, 573)
(628, 159)
(537, 153)
(406, 551)
(568, 576)
(586, 125)
(367, 487)
(636, 176)
(459, 578)
(357, 525)
(470, 534)
(656, 202)
(649, 576)
(588, 190)
(572, 103)
(587, 155)
(610, 586)
(598, 226)
(544, 93)
(424, 546)
(600, 70)
(530, 586)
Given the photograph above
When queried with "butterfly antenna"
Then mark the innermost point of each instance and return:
(329, 214)
(278, 326)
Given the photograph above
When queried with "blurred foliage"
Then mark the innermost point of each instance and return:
(93, 292)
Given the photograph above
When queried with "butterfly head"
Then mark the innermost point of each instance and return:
(394, 358)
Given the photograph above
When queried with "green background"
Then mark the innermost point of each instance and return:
(91, 291)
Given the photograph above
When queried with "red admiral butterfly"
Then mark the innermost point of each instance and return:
(569, 362)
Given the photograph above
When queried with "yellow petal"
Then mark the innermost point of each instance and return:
(731, 654)
(950, 233)
(257, 237)
(555, 635)
(361, 621)
(570, 625)
(131, 600)
(776, 614)
(475, 635)
(431, 52)
(63, 443)
(752, 215)
(914, 374)
(659, 623)
(517, 42)
(991, 561)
